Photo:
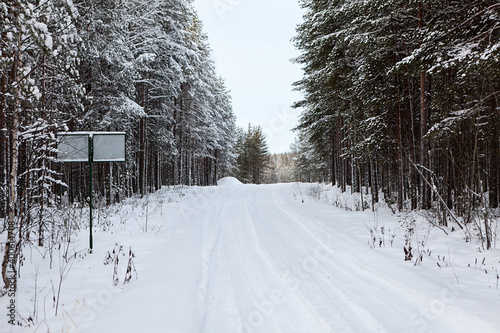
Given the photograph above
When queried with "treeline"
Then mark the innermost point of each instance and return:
(403, 97)
(141, 67)
(281, 168)
(256, 165)
(252, 155)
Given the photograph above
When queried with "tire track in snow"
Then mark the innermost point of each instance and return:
(306, 280)
(264, 304)
(253, 241)
(218, 309)
(401, 301)
(349, 273)
(209, 260)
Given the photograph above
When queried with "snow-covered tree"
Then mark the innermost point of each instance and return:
(389, 85)
(38, 90)
(252, 155)
(142, 67)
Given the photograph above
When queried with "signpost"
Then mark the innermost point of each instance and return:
(91, 147)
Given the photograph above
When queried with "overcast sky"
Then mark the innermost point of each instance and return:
(250, 40)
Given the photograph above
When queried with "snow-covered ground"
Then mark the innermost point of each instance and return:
(259, 258)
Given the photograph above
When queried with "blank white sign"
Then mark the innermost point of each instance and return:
(73, 147)
(109, 147)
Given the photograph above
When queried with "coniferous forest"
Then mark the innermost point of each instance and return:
(140, 67)
(403, 98)
(399, 115)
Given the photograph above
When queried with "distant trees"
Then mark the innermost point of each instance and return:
(280, 169)
(251, 155)
(403, 97)
(308, 166)
(142, 67)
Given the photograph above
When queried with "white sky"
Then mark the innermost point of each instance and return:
(252, 48)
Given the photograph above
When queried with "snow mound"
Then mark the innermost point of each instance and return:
(229, 181)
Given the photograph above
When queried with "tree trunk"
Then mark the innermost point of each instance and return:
(424, 148)
(10, 253)
(400, 152)
(332, 165)
(494, 157)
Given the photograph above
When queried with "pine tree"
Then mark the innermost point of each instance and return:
(252, 155)
(385, 95)
(38, 84)
(140, 67)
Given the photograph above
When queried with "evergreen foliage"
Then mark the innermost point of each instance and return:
(142, 67)
(251, 155)
(403, 97)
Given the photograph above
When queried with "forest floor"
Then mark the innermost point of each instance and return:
(259, 258)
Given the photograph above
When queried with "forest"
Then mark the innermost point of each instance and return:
(401, 98)
(400, 101)
(398, 139)
(139, 67)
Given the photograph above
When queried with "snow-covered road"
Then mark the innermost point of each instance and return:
(269, 259)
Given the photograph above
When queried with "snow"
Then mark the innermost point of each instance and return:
(228, 182)
(266, 258)
(48, 41)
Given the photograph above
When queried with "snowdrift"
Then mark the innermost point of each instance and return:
(229, 182)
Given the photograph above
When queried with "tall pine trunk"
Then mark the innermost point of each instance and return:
(495, 156)
(10, 253)
(400, 159)
(424, 146)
